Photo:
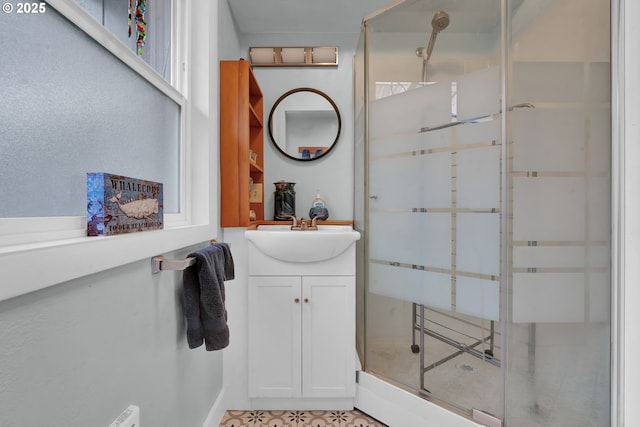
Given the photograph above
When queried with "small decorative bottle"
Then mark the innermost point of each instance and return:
(318, 208)
(285, 201)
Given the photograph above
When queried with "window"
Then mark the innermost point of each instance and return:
(78, 100)
(119, 17)
(89, 112)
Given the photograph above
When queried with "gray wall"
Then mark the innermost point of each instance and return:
(228, 41)
(333, 173)
(80, 352)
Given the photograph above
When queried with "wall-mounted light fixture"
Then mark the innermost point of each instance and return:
(318, 56)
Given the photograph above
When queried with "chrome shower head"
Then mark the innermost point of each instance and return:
(440, 21)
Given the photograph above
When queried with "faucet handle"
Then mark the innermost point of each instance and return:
(294, 219)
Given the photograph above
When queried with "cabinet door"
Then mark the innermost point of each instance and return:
(274, 337)
(328, 336)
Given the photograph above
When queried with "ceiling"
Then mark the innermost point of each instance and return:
(302, 16)
(345, 16)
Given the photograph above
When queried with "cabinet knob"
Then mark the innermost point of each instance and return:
(306, 300)
(297, 300)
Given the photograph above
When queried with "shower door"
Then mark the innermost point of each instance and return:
(434, 211)
(486, 150)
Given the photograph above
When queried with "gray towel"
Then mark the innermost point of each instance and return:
(203, 297)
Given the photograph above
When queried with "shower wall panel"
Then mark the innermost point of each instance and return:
(560, 178)
(559, 195)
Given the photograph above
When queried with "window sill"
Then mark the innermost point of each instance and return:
(51, 263)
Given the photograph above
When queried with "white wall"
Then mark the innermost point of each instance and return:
(235, 356)
(627, 215)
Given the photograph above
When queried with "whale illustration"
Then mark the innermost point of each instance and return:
(139, 209)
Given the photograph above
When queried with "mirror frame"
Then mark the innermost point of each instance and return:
(291, 92)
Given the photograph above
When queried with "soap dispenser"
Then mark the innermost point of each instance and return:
(318, 208)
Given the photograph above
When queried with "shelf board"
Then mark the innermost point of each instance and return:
(254, 119)
(254, 166)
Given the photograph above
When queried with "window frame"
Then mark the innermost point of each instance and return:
(36, 253)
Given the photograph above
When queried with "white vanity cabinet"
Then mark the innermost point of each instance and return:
(301, 319)
(301, 336)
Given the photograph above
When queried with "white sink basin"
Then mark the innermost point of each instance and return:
(280, 242)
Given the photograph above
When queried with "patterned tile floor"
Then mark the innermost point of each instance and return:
(353, 418)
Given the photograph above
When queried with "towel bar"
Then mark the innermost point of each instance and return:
(160, 263)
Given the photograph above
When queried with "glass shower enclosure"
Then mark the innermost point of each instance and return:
(483, 143)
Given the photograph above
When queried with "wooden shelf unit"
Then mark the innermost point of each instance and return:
(241, 130)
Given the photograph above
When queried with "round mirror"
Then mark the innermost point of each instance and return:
(304, 124)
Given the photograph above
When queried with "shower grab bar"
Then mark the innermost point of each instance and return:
(474, 119)
(160, 263)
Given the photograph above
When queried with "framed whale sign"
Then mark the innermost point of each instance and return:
(118, 204)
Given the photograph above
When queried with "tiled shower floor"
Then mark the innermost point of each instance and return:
(353, 418)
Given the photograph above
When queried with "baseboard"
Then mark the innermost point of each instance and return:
(217, 411)
(399, 408)
(389, 404)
